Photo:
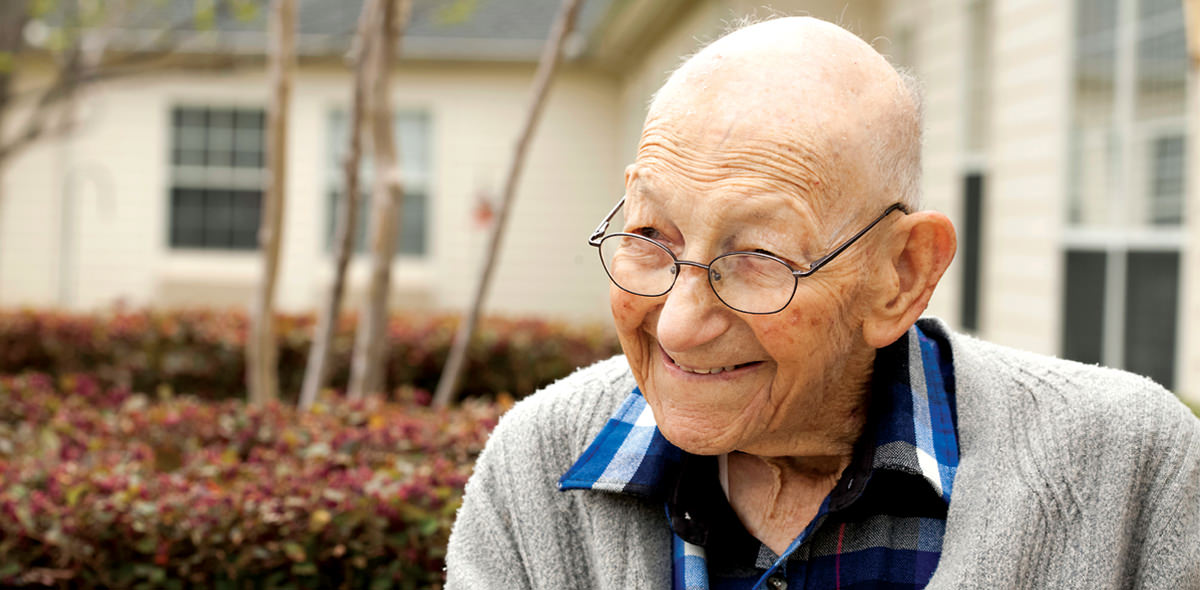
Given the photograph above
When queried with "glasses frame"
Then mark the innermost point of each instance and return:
(599, 236)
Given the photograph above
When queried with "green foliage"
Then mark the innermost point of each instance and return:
(245, 10)
(201, 351)
(41, 8)
(205, 14)
(104, 488)
(456, 12)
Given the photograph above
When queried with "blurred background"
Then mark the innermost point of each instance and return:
(1056, 139)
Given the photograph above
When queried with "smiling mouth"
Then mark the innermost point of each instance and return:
(706, 371)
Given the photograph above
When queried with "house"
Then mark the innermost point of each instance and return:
(1056, 139)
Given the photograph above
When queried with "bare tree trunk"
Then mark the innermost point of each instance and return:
(262, 350)
(370, 346)
(563, 25)
(316, 372)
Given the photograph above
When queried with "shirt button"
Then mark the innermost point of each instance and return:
(776, 582)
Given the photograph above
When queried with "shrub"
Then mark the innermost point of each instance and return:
(201, 351)
(104, 488)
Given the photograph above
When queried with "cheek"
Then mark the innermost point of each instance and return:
(630, 316)
(627, 310)
(794, 326)
(787, 341)
(630, 313)
(801, 330)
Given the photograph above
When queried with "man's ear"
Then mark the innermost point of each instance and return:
(918, 250)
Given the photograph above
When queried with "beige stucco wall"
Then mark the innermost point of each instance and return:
(119, 164)
(1027, 197)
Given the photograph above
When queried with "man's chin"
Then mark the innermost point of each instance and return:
(698, 441)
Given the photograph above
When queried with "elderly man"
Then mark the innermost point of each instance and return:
(780, 418)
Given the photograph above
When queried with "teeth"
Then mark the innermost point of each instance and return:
(712, 371)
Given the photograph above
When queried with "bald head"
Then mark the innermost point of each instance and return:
(823, 113)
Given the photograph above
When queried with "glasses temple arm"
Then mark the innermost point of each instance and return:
(822, 261)
(594, 240)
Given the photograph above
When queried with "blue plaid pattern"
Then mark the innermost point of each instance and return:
(919, 435)
(628, 456)
(885, 533)
(691, 569)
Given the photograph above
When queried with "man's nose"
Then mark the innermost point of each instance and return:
(691, 314)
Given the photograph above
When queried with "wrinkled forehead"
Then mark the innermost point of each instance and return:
(746, 143)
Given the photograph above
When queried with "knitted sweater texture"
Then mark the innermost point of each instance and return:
(1070, 476)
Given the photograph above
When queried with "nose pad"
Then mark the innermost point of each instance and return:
(674, 269)
(713, 275)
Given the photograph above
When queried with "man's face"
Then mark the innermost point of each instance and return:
(703, 190)
(764, 141)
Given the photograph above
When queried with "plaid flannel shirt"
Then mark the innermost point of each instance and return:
(880, 527)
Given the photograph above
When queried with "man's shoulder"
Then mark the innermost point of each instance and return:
(1007, 387)
(1056, 453)
(997, 368)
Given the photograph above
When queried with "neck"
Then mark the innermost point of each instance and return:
(776, 497)
(777, 488)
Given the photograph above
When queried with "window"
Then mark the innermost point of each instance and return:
(1123, 241)
(971, 249)
(1084, 305)
(1147, 304)
(411, 130)
(216, 178)
(1166, 180)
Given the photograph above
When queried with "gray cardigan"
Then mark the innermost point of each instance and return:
(1071, 476)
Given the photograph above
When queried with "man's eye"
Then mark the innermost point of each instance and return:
(648, 232)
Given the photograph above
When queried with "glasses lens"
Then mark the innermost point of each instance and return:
(638, 265)
(752, 283)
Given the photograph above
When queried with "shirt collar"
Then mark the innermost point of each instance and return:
(629, 455)
(912, 429)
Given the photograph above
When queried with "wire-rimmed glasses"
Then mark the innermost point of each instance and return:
(748, 282)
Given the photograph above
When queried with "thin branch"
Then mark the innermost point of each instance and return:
(262, 350)
(316, 372)
(551, 54)
(370, 348)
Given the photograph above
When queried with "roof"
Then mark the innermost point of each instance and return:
(489, 30)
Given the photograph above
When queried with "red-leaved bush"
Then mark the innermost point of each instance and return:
(104, 488)
(201, 353)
